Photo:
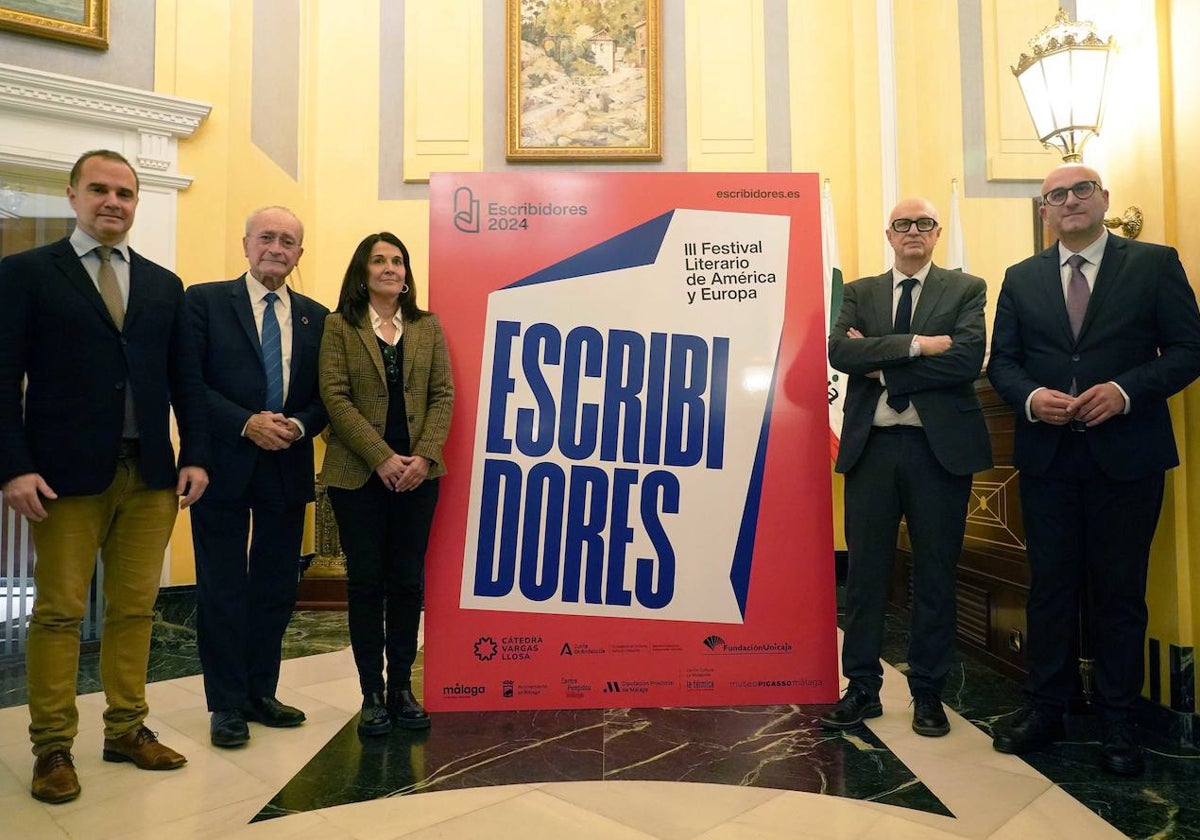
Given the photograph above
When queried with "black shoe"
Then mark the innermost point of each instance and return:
(856, 705)
(374, 718)
(1120, 752)
(228, 728)
(270, 712)
(1036, 728)
(929, 718)
(406, 712)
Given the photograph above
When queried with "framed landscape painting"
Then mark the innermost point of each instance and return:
(584, 80)
(78, 21)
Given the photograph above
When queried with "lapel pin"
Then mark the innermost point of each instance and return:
(303, 319)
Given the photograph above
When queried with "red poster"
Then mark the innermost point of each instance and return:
(637, 511)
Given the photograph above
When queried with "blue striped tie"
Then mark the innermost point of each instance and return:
(272, 355)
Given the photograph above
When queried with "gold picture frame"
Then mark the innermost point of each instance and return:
(584, 80)
(85, 23)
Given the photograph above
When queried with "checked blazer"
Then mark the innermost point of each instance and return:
(354, 389)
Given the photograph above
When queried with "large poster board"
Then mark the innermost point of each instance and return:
(637, 511)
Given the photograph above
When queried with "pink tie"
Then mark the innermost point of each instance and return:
(1077, 294)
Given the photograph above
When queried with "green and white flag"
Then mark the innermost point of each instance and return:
(956, 252)
(837, 381)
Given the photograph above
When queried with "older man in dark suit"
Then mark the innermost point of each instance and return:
(912, 340)
(1091, 337)
(99, 335)
(259, 342)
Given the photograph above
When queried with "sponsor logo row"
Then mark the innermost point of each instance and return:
(521, 648)
(574, 688)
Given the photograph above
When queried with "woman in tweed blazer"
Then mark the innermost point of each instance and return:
(385, 380)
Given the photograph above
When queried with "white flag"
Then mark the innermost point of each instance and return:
(837, 381)
(956, 252)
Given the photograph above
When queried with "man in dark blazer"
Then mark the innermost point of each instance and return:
(99, 335)
(912, 340)
(1091, 337)
(259, 342)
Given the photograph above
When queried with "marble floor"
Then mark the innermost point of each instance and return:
(697, 773)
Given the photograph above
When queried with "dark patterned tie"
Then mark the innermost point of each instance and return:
(1078, 294)
(899, 404)
(272, 354)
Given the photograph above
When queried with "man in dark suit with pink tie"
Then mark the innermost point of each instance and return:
(1091, 337)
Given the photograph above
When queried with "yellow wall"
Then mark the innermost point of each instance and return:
(232, 176)
(1181, 20)
(336, 194)
(1147, 151)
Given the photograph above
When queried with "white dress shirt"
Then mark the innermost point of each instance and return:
(1093, 253)
(85, 246)
(283, 313)
(885, 415)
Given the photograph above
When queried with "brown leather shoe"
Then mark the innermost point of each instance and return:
(141, 746)
(54, 778)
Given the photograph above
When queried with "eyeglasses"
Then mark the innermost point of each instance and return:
(391, 366)
(924, 224)
(1083, 191)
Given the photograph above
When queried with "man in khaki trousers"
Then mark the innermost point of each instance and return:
(94, 354)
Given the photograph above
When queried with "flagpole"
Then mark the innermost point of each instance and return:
(956, 252)
(836, 381)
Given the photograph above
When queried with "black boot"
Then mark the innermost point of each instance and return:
(406, 712)
(374, 718)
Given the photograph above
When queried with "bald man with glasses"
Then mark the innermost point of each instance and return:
(1092, 336)
(912, 341)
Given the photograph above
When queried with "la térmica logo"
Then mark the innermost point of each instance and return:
(486, 649)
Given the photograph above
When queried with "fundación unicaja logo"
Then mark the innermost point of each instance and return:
(714, 642)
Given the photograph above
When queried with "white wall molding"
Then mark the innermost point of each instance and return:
(47, 120)
(69, 98)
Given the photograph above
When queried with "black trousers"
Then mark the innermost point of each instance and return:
(898, 475)
(384, 535)
(244, 601)
(1087, 535)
